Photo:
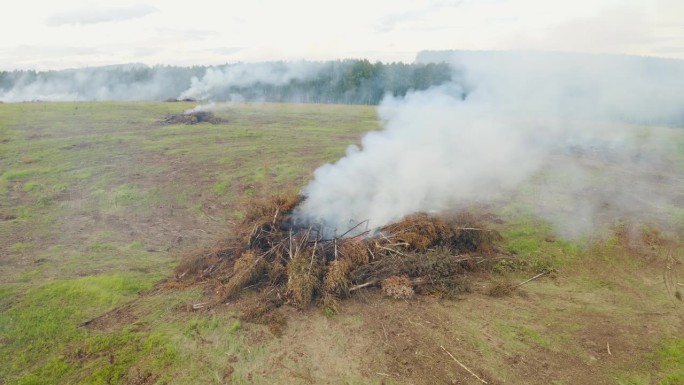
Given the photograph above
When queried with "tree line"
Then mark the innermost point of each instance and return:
(340, 81)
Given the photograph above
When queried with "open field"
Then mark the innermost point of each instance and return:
(99, 200)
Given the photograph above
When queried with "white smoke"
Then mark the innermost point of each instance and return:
(106, 83)
(243, 75)
(134, 82)
(517, 114)
(213, 106)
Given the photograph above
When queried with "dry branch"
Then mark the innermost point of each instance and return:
(361, 286)
(531, 279)
(463, 366)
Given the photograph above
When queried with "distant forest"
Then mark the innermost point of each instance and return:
(341, 81)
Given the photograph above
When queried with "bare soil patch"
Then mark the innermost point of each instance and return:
(112, 320)
(6, 215)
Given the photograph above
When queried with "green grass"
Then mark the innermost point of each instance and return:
(21, 247)
(671, 357)
(533, 240)
(100, 247)
(46, 320)
(221, 187)
(101, 192)
(29, 186)
(107, 198)
(13, 175)
(519, 336)
(136, 245)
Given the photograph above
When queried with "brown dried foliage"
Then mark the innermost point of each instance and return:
(419, 231)
(501, 288)
(399, 287)
(193, 118)
(303, 278)
(264, 310)
(246, 269)
(336, 280)
(267, 250)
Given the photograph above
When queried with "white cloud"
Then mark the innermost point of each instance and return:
(94, 15)
(162, 31)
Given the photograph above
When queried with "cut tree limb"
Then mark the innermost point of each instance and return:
(531, 279)
(414, 282)
(361, 286)
(463, 366)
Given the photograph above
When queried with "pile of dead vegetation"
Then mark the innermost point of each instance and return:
(297, 265)
(193, 118)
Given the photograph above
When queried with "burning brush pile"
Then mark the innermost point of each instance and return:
(194, 117)
(299, 266)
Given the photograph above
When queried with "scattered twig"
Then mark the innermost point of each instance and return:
(206, 214)
(385, 332)
(495, 258)
(392, 250)
(210, 269)
(371, 253)
(275, 217)
(313, 254)
(531, 279)
(335, 246)
(463, 366)
(351, 229)
(608, 348)
(414, 282)
(361, 286)
(198, 306)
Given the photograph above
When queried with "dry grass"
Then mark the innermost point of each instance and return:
(419, 231)
(264, 310)
(501, 288)
(303, 278)
(246, 269)
(336, 280)
(6, 216)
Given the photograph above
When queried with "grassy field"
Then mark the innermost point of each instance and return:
(99, 200)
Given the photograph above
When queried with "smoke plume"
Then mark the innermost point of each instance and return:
(356, 81)
(216, 80)
(517, 117)
(213, 106)
(129, 82)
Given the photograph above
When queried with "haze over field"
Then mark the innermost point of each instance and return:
(339, 81)
(512, 115)
(466, 131)
(459, 126)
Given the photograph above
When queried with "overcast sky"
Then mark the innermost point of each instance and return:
(75, 33)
